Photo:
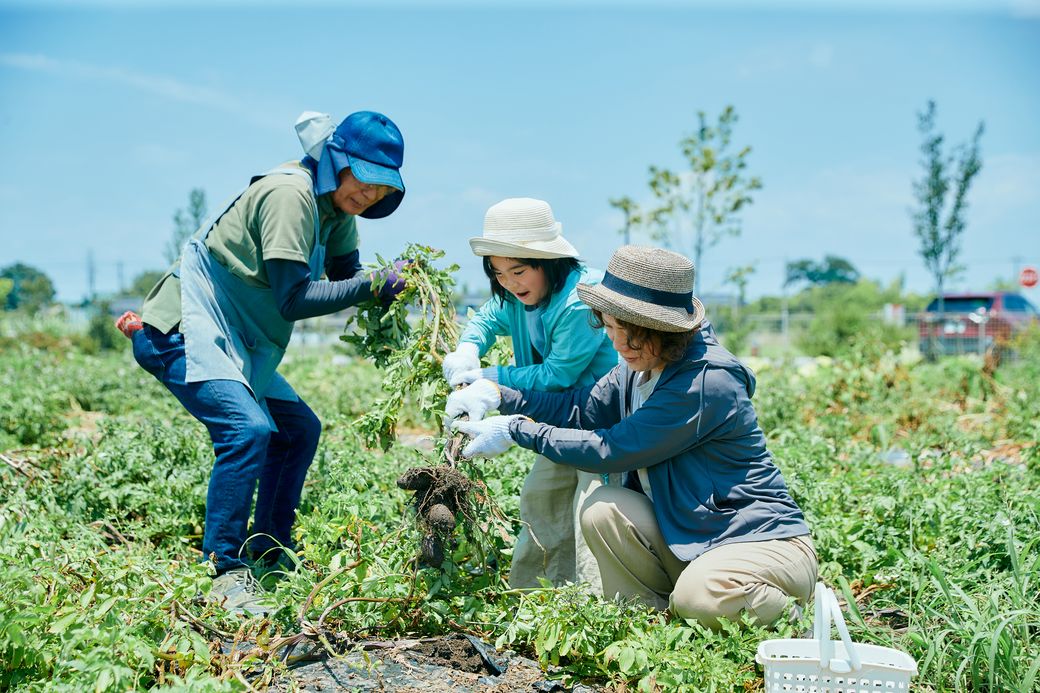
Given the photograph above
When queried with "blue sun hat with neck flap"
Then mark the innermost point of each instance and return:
(366, 142)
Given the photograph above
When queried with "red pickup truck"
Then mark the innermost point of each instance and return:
(971, 323)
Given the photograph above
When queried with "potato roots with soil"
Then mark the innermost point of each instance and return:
(441, 497)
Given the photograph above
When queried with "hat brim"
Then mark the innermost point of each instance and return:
(631, 310)
(375, 174)
(558, 247)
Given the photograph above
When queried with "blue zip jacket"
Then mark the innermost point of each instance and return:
(576, 353)
(713, 479)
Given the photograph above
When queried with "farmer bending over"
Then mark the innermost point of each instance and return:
(703, 523)
(215, 327)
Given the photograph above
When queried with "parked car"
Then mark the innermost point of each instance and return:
(972, 323)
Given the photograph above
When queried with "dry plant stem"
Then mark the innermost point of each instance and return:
(185, 615)
(347, 600)
(17, 465)
(242, 679)
(453, 448)
(435, 330)
(319, 586)
(111, 531)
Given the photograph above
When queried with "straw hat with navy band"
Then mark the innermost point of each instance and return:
(522, 227)
(649, 287)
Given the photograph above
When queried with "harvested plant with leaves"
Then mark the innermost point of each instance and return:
(407, 338)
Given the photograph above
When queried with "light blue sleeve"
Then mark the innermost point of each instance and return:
(489, 323)
(573, 344)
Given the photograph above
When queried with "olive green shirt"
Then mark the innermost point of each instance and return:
(272, 220)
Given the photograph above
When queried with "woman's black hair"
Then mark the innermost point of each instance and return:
(556, 272)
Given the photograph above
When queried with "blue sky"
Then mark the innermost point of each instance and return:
(109, 115)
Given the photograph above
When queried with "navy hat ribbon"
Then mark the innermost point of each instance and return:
(648, 295)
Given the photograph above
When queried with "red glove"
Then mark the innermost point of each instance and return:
(128, 323)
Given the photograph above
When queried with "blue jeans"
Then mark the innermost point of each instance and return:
(248, 453)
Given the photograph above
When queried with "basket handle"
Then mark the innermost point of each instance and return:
(827, 608)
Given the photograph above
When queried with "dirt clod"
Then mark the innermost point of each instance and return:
(454, 652)
(431, 551)
(416, 479)
(442, 494)
(441, 519)
(437, 486)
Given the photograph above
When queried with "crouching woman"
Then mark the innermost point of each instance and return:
(703, 524)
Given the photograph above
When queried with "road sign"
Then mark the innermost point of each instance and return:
(1028, 277)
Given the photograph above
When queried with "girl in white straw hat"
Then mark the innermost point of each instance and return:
(534, 272)
(703, 523)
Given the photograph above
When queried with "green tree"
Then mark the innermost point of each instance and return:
(1004, 284)
(633, 215)
(702, 205)
(143, 283)
(832, 269)
(186, 222)
(101, 330)
(31, 289)
(941, 194)
(736, 327)
(845, 315)
(6, 284)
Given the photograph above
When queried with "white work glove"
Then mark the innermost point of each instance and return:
(476, 400)
(490, 436)
(467, 377)
(466, 357)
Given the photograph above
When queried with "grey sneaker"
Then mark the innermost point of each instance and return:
(239, 592)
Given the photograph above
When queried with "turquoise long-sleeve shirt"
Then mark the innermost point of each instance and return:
(576, 353)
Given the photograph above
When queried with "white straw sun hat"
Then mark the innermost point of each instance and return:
(522, 227)
(649, 287)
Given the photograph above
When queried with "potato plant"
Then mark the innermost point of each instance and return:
(102, 490)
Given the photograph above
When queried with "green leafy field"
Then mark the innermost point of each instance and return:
(920, 482)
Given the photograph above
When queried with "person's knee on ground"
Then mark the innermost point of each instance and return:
(701, 606)
(621, 532)
(707, 595)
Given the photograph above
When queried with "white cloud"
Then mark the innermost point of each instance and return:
(785, 56)
(821, 55)
(152, 154)
(480, 196)
(1025, 8)
(160, 85)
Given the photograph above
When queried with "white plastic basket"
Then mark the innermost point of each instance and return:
(822, 665)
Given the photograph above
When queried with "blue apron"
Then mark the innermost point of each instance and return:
(234, 331)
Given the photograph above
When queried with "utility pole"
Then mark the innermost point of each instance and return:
(784, 315)
(91, 275)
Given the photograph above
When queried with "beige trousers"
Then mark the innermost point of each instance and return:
(756, 576)
(550, 544)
